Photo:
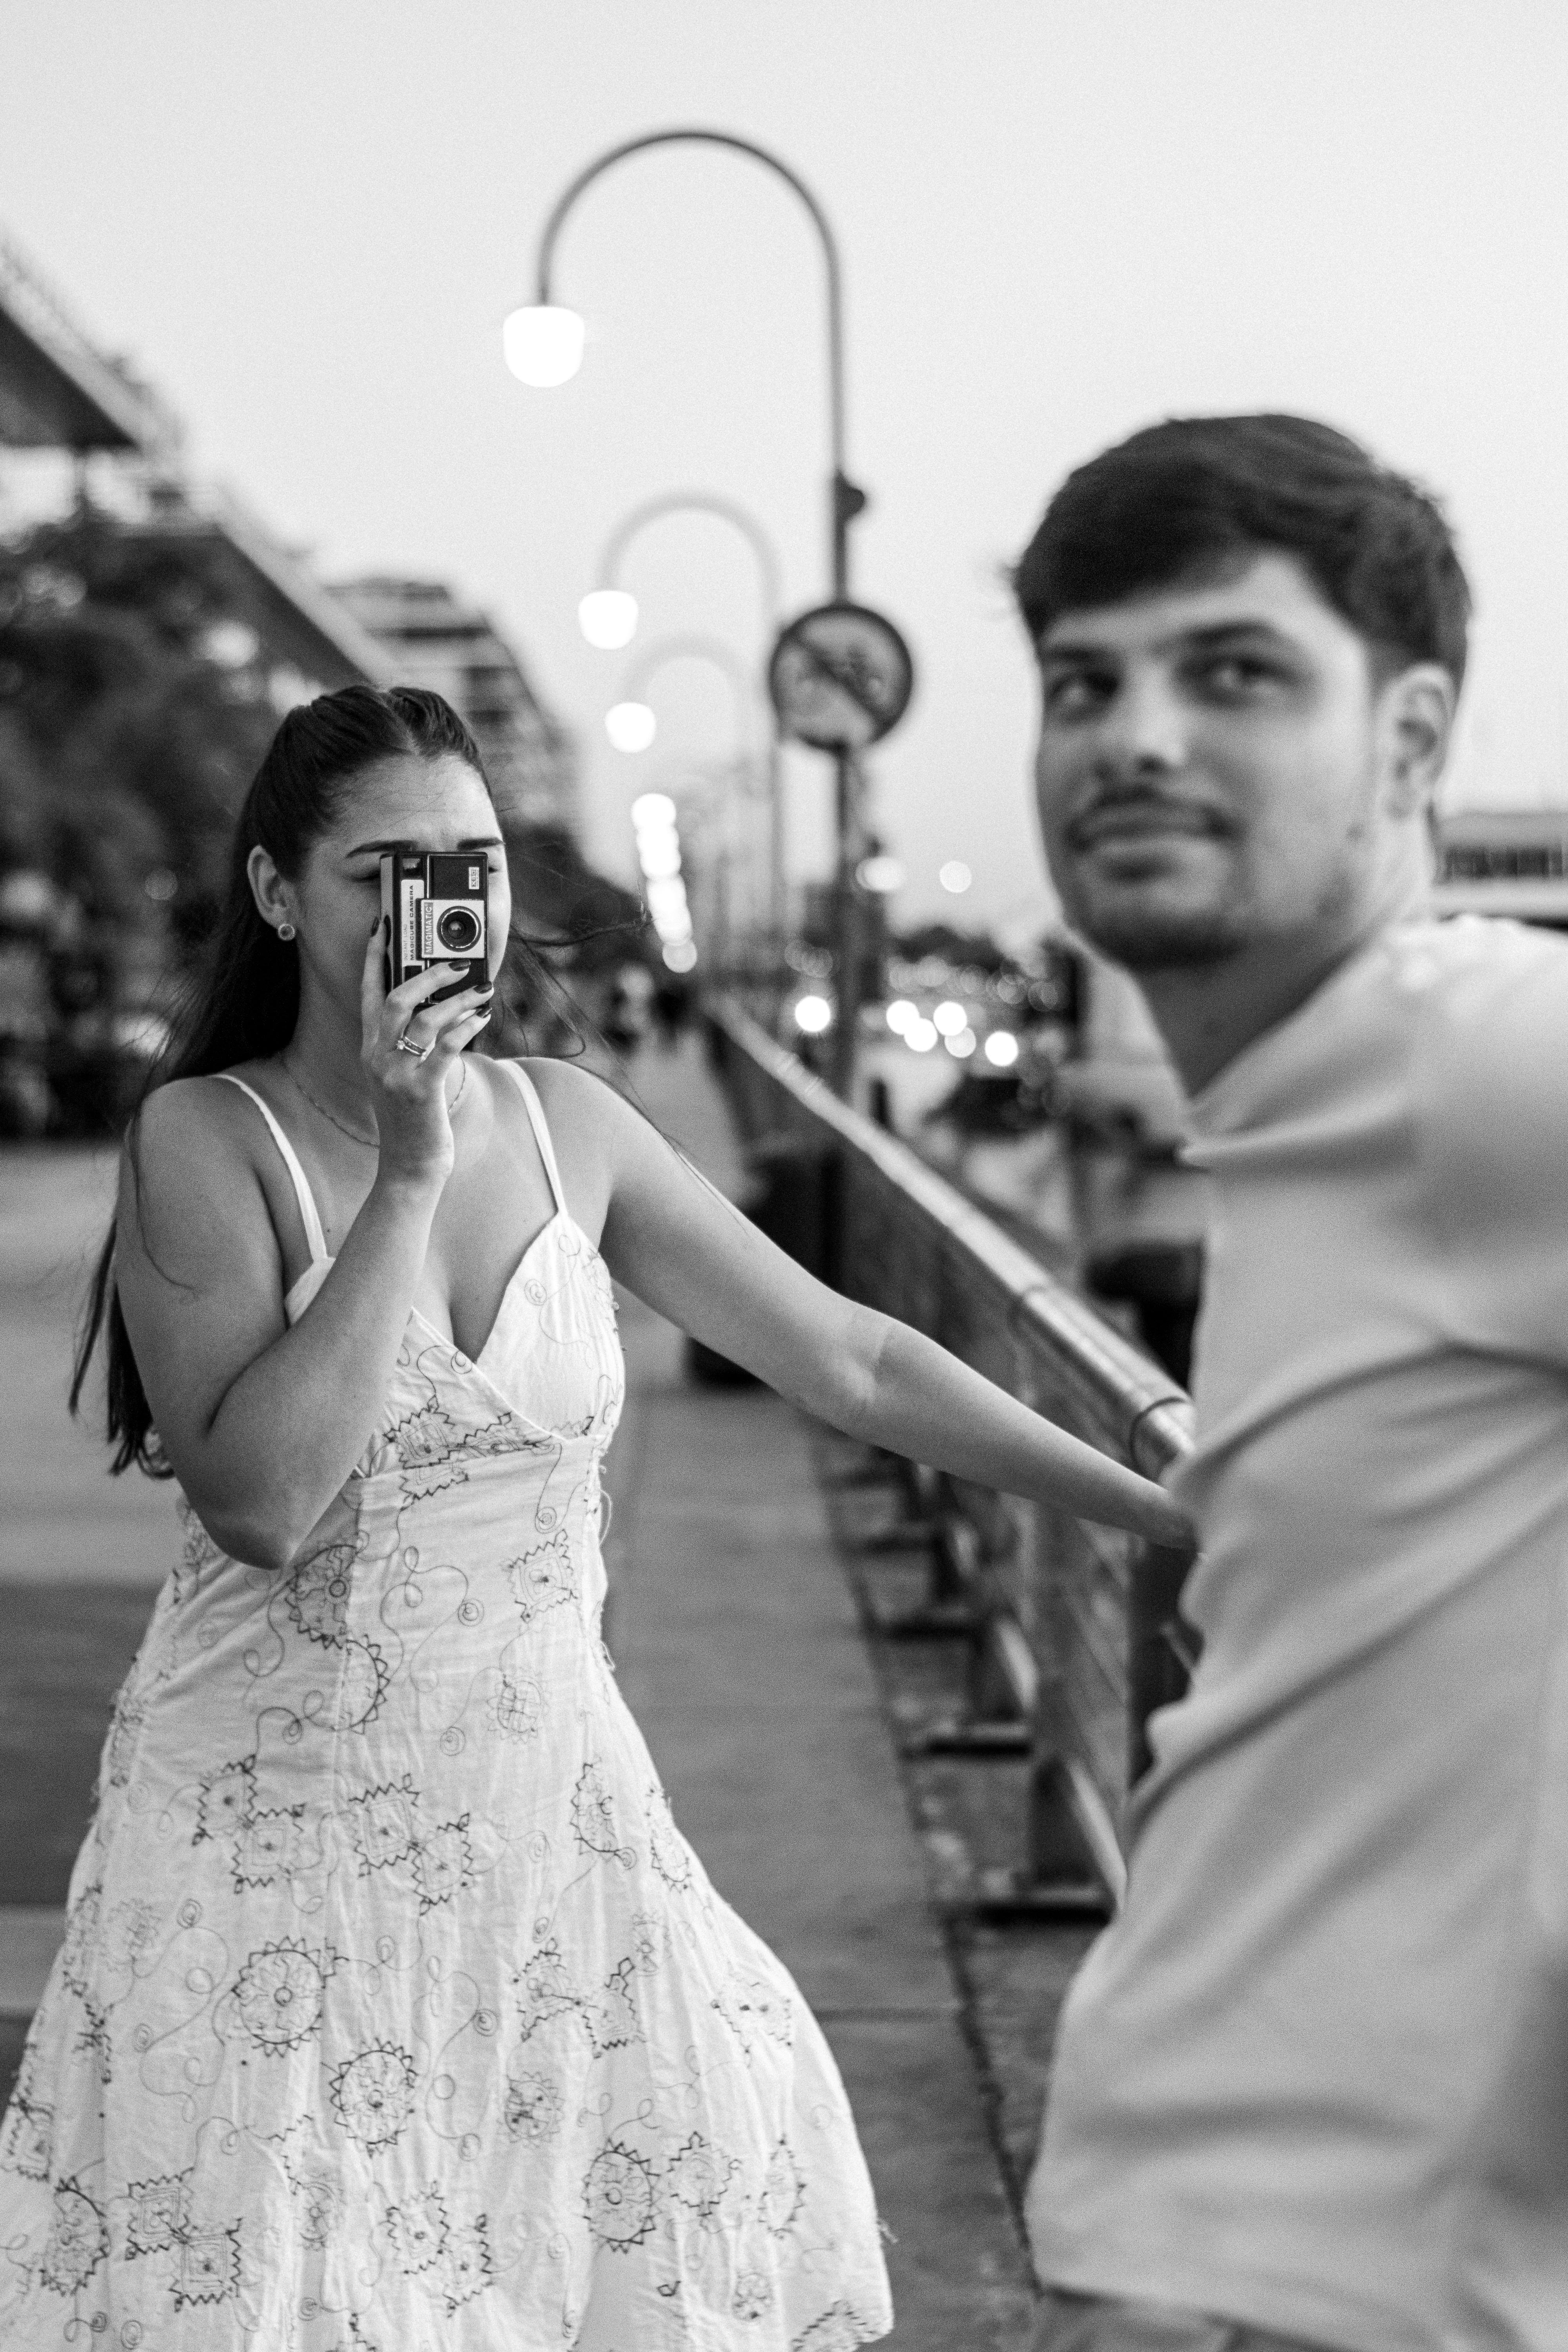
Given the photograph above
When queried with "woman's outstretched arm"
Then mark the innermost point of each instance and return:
(681, 1247)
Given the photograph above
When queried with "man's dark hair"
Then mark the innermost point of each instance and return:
(1199, 496)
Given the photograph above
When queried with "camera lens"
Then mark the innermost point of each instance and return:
(458, 928)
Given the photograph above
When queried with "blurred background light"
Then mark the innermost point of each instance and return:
(542, 343)
(608, 618)
(630, 726)
(955, 876)
(1001, 1049)
(880, 875)
(901, 1013)
(813, 1014)
(950, 1018)
(680, 955)
(652, 809)
(920, 1034)
(962, 1044)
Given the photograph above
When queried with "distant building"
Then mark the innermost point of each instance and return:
(435, 639)
(1504, 862)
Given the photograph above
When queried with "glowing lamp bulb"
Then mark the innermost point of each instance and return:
(542, 344)
(652, 811)
(608, 618)
(630, 726)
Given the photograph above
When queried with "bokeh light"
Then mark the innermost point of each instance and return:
(881, 875)
(652, 810)
(542, 344)
(630, 726)
(608, 618)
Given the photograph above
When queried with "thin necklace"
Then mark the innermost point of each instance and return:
(365, 1142)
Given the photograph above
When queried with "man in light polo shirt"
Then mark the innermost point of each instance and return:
(1312, 2086)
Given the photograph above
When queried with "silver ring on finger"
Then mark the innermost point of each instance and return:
(405, 1044)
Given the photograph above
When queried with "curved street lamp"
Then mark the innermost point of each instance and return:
(543, 345)
(543, 341)
(609, 603)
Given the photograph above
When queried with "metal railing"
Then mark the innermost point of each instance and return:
(1075, 1629)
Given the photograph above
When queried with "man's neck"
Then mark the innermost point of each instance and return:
(1208, 1013)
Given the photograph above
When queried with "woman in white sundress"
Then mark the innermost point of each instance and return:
(393, 2011)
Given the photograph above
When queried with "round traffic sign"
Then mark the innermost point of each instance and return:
(840, 677)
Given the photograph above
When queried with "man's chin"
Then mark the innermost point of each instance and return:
(1149, 937)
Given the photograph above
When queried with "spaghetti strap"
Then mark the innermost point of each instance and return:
(315, 1238)
(536, 1119)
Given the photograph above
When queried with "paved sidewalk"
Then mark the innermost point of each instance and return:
(739, 1649)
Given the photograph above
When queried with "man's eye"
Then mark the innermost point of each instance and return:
(1238, 674)
(1075, 692)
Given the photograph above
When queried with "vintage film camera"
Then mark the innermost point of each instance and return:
(433, 908)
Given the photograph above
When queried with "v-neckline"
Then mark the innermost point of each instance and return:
(449, 1339)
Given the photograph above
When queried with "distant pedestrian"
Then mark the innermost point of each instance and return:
(671, 1007)
(394, 2009)
(626, 1011)
(1311, 2085)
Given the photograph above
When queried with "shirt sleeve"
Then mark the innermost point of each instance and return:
(1491, 1107)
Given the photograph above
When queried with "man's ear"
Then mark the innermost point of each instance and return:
(1415, 727)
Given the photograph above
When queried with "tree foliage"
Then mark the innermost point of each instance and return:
(125, 746)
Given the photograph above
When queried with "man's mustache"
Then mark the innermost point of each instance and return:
(1110, 813)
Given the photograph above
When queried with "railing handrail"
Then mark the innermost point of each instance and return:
(1153, 1413)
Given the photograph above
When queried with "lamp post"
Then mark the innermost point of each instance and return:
(544, 346)
(637, 737)
(618, 625)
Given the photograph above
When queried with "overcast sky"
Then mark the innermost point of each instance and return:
(1060, 219)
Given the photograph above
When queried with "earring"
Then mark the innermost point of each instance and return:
(285, 930)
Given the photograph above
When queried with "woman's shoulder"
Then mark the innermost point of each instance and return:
(192, 1137)
(572, 1096)
(173, 1114)
(191, 1163)
(593, 1129)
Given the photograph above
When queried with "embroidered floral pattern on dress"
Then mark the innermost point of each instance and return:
(394, 2009)
(280, 1992)
(372, 2094)
(619, 2196)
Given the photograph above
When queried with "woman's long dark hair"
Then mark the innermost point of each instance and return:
(244, 1000)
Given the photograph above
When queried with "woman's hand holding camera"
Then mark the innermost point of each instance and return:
(408, 1047)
